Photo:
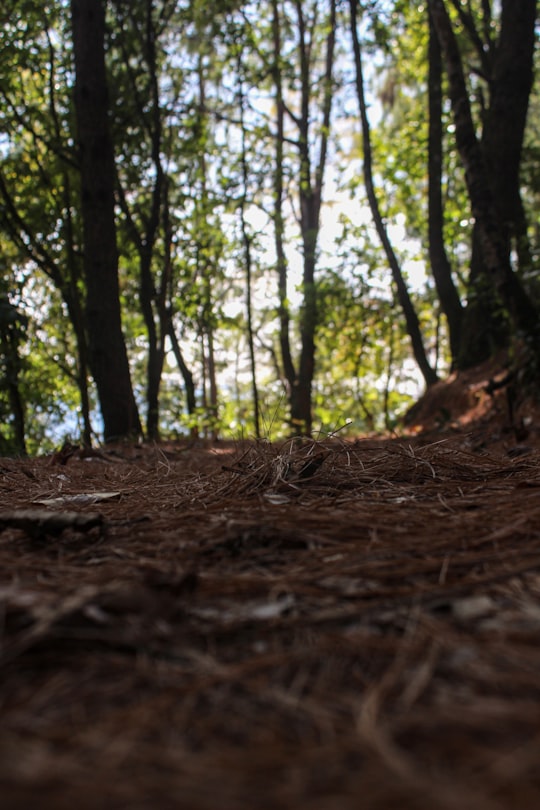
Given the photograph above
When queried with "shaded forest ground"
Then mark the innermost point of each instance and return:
(323, 625)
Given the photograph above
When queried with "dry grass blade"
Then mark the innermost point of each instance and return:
(306, 625)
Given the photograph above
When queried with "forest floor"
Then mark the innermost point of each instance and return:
(322, 625)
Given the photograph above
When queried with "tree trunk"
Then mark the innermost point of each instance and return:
(511, 82)
(310, 194)
(107, 351)
(12, 326)
(299, 376)
(411, 318)
(289, 370)
(495, 290)
(250, 328)
(440, 264)
(67, 284)
(153, 303)
(77, 320)
(72, 297)
(503, 133)
(213, 399)
(247, 243)
(187, 376)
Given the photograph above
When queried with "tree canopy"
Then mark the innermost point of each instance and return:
(255, 219)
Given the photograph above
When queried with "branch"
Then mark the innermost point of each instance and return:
(468, 23)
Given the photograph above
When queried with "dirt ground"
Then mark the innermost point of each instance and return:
(321, 624)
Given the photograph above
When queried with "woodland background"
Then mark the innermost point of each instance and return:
(245, 218)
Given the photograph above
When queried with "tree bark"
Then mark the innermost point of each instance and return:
(107, 351)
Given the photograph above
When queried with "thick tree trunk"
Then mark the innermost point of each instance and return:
(440, 264)
(411, 318)
(503, 133)
(511, 82)
(107, 350)
(494, 287)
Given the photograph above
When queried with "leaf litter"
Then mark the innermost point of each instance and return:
(314, 624)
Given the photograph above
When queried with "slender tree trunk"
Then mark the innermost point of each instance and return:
(165, 310)
(71, 291)
(207, 260)
(289, 370)
(144, 236)
(107, 350)
(77, 319)
(250, 329)
(311, 189)
(440, 264)
(155, 318)
(74, 304)
(388, 380)
(246, 240)
(212, 401)
(411, 318)
(300, 376)
(310, 195)
(68, 288)
(10, 335)
(187, 376)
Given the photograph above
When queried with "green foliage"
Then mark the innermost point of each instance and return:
(362, 375)
(189, 166)
(47, 367)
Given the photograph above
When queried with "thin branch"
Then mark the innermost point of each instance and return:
(481, 47)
